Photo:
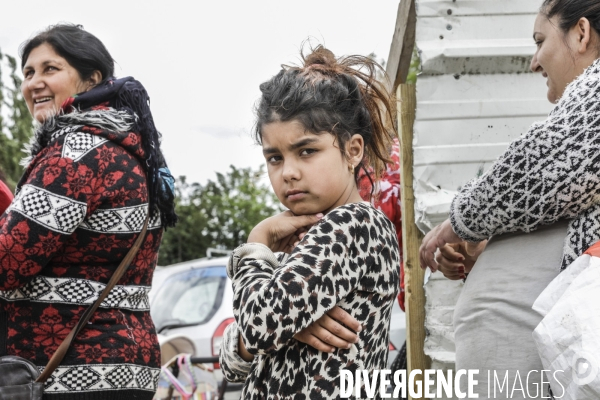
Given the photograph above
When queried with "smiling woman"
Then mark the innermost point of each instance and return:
(49, 80)
(537, 205)
(94, 174)
(60, 63)
(564, 50)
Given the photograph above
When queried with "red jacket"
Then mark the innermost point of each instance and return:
(6, 197)
(80, 205)
(386, 197)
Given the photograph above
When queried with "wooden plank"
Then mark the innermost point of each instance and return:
(403, 44)
(411, 236)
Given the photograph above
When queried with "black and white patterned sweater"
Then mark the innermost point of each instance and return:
(79, 207)
(549, 173)
(349, 258)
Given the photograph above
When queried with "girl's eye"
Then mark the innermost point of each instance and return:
(28, 74)
(50, 68)
(273, 159)
(307, 152)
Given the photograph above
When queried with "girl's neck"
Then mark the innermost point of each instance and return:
(352, 197)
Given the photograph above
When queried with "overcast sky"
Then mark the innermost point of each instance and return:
(202, 61)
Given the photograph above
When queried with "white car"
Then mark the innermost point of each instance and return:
(194, 300)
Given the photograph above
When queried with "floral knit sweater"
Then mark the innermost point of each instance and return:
(78, 209)
(551, 172)
(349, 258)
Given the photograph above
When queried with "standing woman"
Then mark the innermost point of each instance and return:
(95, 170)
(543, 188)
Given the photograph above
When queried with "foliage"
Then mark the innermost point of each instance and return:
(16, 124)
(219, 214)
(415, 67)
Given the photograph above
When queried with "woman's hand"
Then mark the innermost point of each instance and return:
(283, 231)
(327, 333)
(437, 238)
(455, 260)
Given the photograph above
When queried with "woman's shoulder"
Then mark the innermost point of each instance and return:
(582, 91)
(97, 130)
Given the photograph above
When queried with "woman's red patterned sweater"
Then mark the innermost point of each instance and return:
(78, 209)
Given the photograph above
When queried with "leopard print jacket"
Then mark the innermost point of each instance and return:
(551, 172)
(349, 258)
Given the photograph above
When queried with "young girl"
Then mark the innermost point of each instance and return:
(317, 125)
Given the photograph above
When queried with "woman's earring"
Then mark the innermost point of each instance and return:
(351, 168)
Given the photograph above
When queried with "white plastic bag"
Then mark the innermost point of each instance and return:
(568, 338)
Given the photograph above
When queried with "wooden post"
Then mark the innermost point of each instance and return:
(411, 236)
(403, 44)
(398, 64)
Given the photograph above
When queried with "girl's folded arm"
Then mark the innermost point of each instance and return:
(272, 302)
(234, 368)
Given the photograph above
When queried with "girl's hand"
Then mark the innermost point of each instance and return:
(437, 238)
(246, 356)
(283, 231)
(328, 333)
(455, 260)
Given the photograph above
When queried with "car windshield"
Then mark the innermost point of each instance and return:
(189, 297)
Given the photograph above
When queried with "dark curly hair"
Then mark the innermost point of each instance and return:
(341, 96)
(82, 50)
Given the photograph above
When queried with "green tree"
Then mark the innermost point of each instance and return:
(219, 214)
(16, 124)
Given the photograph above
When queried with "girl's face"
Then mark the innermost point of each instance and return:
(560, 57)
(49, 80)
(307, 171)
